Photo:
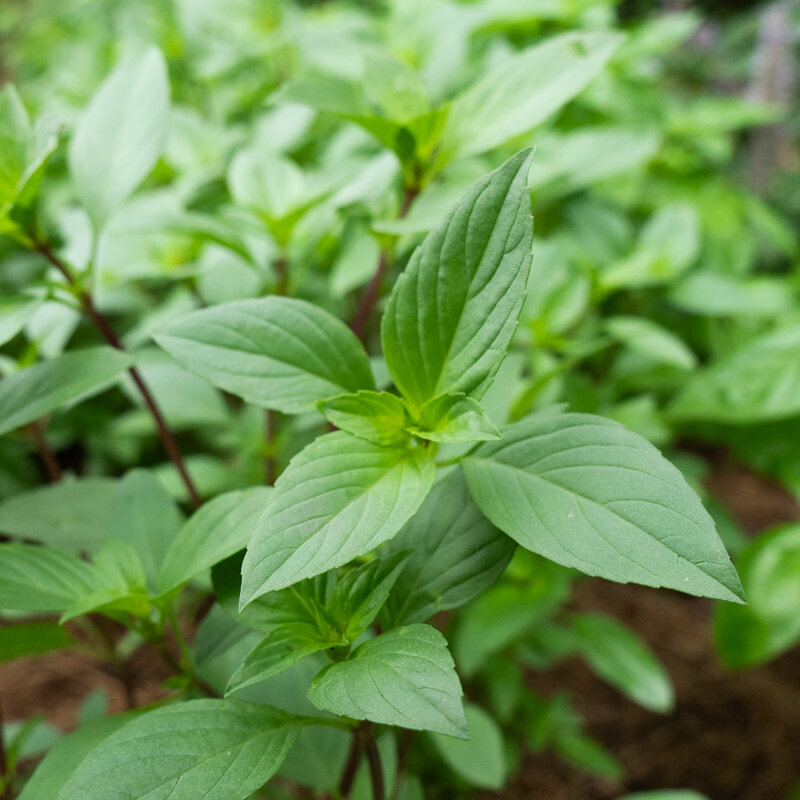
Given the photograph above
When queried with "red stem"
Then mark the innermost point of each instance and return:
(47, 456)
(107, 332)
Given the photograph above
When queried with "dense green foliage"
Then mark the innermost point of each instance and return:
(281, 342)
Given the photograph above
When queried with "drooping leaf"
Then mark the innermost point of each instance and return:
(378, 417)
(523, 91)
(455, 419)
(587, 493)
(453, 311)
(72, 514)
(405, 677)
(339, 498)
(144, 516)
(215, 749)
(620, 657)
(455, 553)
(649, 339)
(275, 352)
(49, 385)
(36, 578)
(119, 137)
(759, 382)
(220, 528)
(479, 760)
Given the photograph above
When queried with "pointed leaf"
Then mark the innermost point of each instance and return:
(587, 493)
(378, 417)
(339, 498)
(48, 385)
(405, 677)
(275, 352)
(214, 749)
(453, 311)
(455, 419)
(118, 139)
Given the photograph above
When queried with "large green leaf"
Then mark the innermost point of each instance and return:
(214, 749)
(523, 91)
(63, 758)
(144, 516)
(759, 382)
(220, 528)
(405, 677)
(36, 578)
(455, 554)
(119, 138)
(584, 491)
(48, 385)
(339, 498)
(71, 514)
(481, 759)
(453, 311)
(620, 657)
(276, 352)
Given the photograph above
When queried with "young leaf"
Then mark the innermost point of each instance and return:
(620, 657)
(587, 493)
(378, 417)
(283, 646)
(71, 514)
(523, 91)
(479, 760)
(36, 578)
(275, 352)
(405, 677)
(454, 418)
(455, 553)
(453, 311)
(27, 639)
(48, 385)
(118, 139)
(144, 516)
(220, 528)
(339, 498)
(214, 749)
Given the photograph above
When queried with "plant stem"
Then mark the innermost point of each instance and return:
(186, 669)
(351, 765)
(270, 462)
(370, 295)
(374, 762)
(107, 332)
(47, 456)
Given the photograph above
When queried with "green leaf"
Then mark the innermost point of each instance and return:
(456, 553)
(283, 646)
(272, 185)
(453, 311)
(63, 758)
(71, 514)
(378, 417)
(587, 493)
(119, 137)
(49, 385)
(455, 419)
(220, 528)
(405, 677)
(32, 638)
(479, 760)
(649, 339)
(759, 382)
(214, 749)
(15, 312)
(523, 91)
(666, 794)
(36, 578)
(770, 623)
(339, 498)
(144, 516)
(275, 352)
(620, 657)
